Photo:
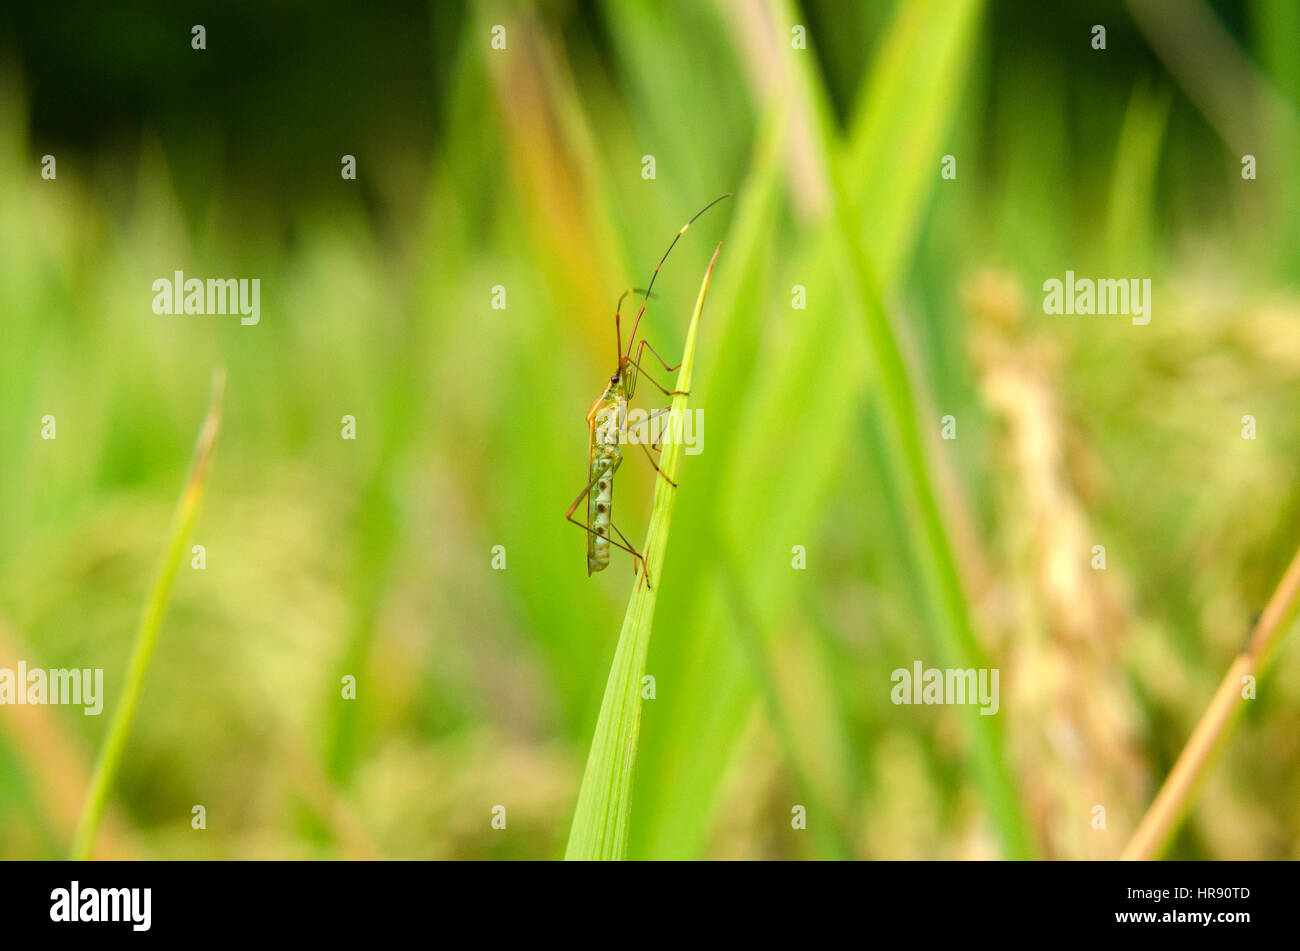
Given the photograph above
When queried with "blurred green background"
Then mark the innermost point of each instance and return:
(522, 168)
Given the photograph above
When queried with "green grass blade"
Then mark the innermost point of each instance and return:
(146, 637)
(1130, 214)
(603, 815)
(927, 535)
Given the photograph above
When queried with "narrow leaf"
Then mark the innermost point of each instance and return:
(146, 637)
(603, 815)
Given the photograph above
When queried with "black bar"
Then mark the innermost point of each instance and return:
(931, 899)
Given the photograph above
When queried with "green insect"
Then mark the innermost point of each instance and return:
(605, 422)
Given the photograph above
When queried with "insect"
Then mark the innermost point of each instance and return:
(604, 421)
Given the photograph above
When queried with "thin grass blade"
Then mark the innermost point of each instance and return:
(146, 637)
(603, 815)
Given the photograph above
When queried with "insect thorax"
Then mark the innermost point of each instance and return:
(607, 423)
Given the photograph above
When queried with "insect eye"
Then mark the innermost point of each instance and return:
(614, 378)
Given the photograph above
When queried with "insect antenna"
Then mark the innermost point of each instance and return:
(631, 339)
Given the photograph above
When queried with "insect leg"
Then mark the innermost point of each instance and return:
(656, 465)
(588, 529)
(640, 370)
(618, 331)
(652, 414)
(647, 447)
(636, 556)
(646, 343)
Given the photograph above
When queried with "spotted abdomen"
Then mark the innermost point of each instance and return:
(606, 456)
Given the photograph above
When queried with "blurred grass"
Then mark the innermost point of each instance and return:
(479, 687)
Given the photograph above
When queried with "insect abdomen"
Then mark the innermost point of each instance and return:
(602, 506)
(605, 460)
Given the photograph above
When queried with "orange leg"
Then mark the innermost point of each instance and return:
(657, 383)
(646, 343)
